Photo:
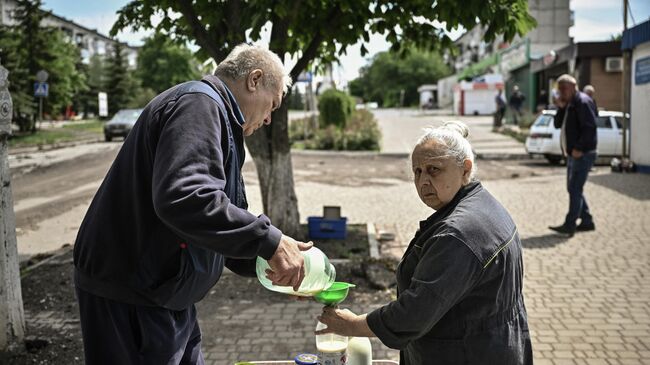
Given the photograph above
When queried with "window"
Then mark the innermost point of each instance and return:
(619, 122)
(604, 122)
(543, 120)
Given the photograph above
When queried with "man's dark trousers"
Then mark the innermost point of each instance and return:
(577, 172)
(154, 335)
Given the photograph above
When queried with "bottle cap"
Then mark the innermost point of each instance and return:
(306, 359)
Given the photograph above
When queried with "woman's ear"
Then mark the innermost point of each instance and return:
(467, 171)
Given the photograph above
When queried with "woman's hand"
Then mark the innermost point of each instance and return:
(345, 323)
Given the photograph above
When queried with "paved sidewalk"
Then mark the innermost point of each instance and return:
(402, 127)
(588, 297)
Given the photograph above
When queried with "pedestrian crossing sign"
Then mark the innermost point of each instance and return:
(41, 89)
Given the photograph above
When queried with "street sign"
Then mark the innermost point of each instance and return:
(103, 104)
(42, 75)
(304, 77)
(642, 71)
(41, 89)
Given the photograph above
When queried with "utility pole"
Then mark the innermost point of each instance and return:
(12, 317)
(627, 72)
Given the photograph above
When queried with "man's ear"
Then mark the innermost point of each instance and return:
(254, 79)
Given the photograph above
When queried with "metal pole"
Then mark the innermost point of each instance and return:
(626, 85)
(12, 317)
(40, 110)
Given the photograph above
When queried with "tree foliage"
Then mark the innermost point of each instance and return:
(314, 32)
(386, 76)
(120, 84)
(27, 48)
(163, 63)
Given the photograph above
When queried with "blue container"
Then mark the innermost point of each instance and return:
(320, 227)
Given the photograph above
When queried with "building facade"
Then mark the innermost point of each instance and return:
(89, 41)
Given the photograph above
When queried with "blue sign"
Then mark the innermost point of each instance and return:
(642, 71)
(41, 89)
(304, 77)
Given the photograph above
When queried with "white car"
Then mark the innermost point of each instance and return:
(544, 138)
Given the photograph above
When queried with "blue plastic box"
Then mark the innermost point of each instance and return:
(320, 227)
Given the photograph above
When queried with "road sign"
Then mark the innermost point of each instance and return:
(42, 75)
(103, 104)
(41, 89)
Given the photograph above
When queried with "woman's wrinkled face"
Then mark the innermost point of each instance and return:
(437, 176)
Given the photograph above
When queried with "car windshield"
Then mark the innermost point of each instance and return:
(126, 116)
(543, 120)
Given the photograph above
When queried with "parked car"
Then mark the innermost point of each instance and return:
(121, 123)
(544, 138)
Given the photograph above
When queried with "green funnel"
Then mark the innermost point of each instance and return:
(335, 294)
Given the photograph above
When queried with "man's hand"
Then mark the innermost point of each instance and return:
(287, 264)
(576, 153)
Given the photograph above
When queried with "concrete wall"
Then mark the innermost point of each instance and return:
(640, 114)
(608, 85)
(553, 23)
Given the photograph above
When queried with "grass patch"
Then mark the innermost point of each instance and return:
(70, 132)
(518, 135)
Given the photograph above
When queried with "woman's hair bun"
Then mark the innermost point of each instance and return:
(457, 126)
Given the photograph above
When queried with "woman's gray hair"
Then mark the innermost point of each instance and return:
(452, 136)
(245, 58)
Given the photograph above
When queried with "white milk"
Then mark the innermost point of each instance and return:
(332, 353)
(359, 351)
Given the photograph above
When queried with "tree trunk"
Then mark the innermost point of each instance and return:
(12, 318)
(271, 152)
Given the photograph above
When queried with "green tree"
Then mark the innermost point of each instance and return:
(66, 79)
(316, 33)
(163, 63)
(119, 81)
(386, 76)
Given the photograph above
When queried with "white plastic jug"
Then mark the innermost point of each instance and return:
(319, 274)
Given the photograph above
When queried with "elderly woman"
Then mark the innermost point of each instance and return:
(459, 283)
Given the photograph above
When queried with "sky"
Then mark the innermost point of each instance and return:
(594, 20)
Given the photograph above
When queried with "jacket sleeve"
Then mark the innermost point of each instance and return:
(587, 123)
(188, 184)
(446, 271)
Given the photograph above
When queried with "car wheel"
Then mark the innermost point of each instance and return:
(553, 159)
(108, 137)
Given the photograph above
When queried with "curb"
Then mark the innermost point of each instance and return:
(54, 146)
(55, 255)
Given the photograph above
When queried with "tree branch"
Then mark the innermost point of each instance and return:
(310, 52)
(199, 32)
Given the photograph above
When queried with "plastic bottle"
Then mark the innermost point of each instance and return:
(332, 348)
(319, 274)
(359, 351)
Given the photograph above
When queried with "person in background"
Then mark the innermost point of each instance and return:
(576, 116)
(591, 91)
(516, 103)
(542, 101)
(501, 110)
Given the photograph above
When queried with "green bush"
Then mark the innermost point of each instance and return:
(301, 129)
(360, 134)
(335, 108)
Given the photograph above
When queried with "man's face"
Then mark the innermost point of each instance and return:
(566, 90)
(261, 101)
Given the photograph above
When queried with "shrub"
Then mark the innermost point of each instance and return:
(335, 108)
(360, 133)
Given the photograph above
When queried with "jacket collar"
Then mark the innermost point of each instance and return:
(226, 96)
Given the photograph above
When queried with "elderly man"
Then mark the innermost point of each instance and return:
(576, 116)
(171, 213)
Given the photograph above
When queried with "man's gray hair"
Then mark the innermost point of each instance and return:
(588, 89)
(452, 136)
(567, 78)
(245, 58)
